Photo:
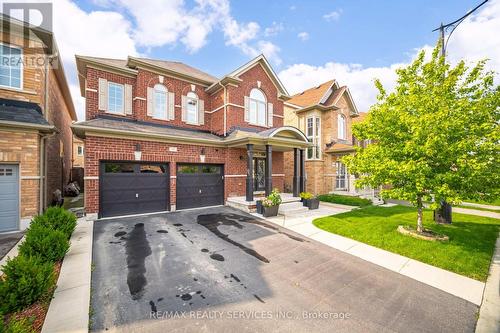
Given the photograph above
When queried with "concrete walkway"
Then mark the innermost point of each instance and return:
(69, 309)
(476, 212)
(455, 284)
(489, 315)
(472, 205)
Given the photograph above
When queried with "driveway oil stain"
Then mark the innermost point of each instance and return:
(235, 278)
(186, 297)
(213, 221)
(216, 256)
(260, 299)
(177, 224)
(137, 249)
(120, 233)
(161, 231)
(153, 306)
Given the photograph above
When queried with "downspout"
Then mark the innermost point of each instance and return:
(225, 107)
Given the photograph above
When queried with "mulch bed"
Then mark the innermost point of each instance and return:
(426, 234)
(37, 311)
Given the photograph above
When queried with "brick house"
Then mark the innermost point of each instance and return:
(325, 113)
(36, 111)
(161, 135)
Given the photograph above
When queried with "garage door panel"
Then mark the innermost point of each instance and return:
(199, 185)
(9, 197)
(133, 188)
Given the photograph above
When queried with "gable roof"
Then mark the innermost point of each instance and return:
(319, 95)
(262, 60)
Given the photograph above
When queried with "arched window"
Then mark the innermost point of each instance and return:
(192, 108)
(341, 127)
(257, 105)
(160, 102)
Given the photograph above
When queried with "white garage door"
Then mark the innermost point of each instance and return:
(9, 197)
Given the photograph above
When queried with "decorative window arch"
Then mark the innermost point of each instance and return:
(160, 101)
(257, 107)
(341, 127)
(192, 108)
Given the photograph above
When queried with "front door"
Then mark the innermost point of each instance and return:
(259, 175)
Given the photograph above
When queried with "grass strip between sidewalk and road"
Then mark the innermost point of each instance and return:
(468, 251)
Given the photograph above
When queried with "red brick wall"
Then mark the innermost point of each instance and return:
(99, 148)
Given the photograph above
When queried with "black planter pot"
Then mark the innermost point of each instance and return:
(270, 211)
(312, 203)
(304, 202)
(258, 206)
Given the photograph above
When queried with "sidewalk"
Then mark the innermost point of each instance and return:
(489, 315)
(455, 284)
(476, 212)
(69, 309)
(472, 205)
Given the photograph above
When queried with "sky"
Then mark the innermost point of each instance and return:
(307, 42)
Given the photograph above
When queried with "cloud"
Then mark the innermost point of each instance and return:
(274, 29)
(333, 16)
(303, 36)
(463, 44)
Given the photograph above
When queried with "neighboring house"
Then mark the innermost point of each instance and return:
(36, 111)
(78, 152)
(161, 135)
(325, 113)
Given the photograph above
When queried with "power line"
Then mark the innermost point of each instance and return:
(462, 18)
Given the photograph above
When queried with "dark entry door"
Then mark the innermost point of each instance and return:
(199, 185)
(133, 188)
(259, 174)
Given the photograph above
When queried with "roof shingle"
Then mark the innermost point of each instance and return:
(311, 96)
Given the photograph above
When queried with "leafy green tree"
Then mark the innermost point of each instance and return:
(435, 137)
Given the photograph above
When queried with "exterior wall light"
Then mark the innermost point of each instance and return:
(138, 152)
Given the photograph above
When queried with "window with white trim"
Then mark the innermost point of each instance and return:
(80, 151)
(11, 66)
(258, 108)
(192, 108)
(341, 127)
(115, 97)
(160, 102)
(313, 131)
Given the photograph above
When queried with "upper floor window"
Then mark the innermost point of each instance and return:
(192, 108)
(11, 66)
(257, 105)
(341, 125)
(313, 131)
(80, 151)
(115, 97)
(160, 102)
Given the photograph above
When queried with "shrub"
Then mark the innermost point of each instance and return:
(16, 326)
(345, 200)
(25, 280)
(45, 243)
(59, 219)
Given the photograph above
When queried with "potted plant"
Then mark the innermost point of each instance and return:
(271, 204)
(258, 206)
(309, 200)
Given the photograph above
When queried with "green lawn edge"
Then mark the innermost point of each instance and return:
(468, 252)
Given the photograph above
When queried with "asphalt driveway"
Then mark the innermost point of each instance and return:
(221, 270)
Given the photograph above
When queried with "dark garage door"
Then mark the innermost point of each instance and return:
(133, 188)
(199, 185)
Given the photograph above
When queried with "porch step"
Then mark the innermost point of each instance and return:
(292, 208)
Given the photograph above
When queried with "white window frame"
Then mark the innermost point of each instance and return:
(160, 89)
(122, 111)
(257, 103)
(79, 150)
(21, 76)
(341, 127)
(341, 177)
(315, 138)
(191, 96)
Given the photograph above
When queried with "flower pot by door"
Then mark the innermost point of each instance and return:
(312, 203)
(270, 211)
(259, 207)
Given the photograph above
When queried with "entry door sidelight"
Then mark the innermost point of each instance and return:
(259, 174)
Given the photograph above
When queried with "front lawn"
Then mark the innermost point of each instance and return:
(468, 252)
(344, 200)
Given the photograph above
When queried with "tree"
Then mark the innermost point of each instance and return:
(435, 137)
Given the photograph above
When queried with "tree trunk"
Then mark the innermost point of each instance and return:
(420, 226)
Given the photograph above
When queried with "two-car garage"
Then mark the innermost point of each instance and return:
(128, 188)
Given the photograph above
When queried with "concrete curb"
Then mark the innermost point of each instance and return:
(69, 309)
(455, 284)
(14, 251)
(489, 314)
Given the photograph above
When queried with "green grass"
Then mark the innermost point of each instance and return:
(344, 200)
(468, 252)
